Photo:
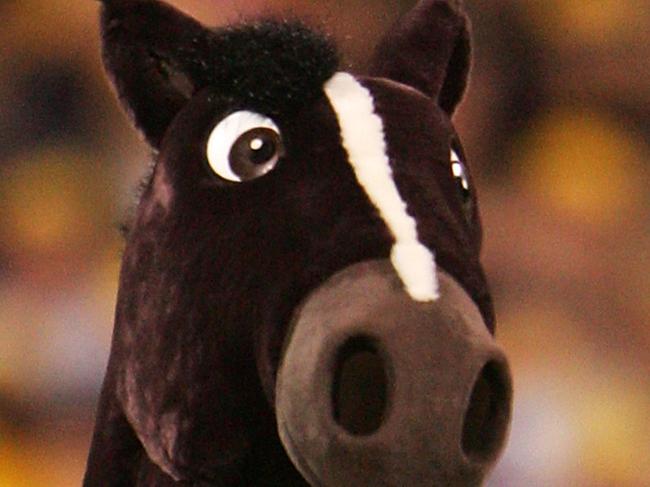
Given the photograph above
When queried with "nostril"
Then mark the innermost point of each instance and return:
(360, 387)
(488, 413)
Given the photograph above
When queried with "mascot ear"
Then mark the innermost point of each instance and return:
(428, 49)
(153, 53)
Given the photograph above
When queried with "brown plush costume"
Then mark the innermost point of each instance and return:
(301, 299)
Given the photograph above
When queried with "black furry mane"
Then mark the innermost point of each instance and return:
(159, 58)
(276, 66)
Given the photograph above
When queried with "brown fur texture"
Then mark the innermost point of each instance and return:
(213, 271)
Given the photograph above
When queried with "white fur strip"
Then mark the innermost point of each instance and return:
(362, 132)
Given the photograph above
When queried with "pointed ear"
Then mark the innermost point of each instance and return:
(428, 49)
(155, 56)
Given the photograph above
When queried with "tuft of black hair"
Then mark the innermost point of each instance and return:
(159, 58)
(273, 65)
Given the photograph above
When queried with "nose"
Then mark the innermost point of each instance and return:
(376, 389)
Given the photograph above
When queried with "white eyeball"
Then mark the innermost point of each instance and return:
(459, 172)
(243, 146)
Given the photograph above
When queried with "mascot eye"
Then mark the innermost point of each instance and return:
(244, 146)
(459, 171)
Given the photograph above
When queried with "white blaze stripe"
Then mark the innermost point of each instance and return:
(362, 132)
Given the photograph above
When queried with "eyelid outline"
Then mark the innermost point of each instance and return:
(226, 133)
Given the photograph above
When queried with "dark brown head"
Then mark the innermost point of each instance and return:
(306, 251)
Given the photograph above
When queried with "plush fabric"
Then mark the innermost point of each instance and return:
(158, 58)
(214, 270)
(428, 49)
(363, 136)
(402, 444)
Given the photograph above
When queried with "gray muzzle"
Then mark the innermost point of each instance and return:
(376, 389)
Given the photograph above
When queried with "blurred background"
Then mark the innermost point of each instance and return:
(556, 124)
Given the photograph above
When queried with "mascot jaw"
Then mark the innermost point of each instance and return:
(361, 327)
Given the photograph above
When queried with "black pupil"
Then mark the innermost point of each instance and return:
(255, 153)
(261, 145)
(462, 186)
(460, 175)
